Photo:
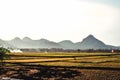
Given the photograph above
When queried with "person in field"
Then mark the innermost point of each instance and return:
(112, 51)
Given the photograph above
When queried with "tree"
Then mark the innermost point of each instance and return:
(78, 50)
(3, 55)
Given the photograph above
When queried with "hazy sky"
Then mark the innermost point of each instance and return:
(59, 20)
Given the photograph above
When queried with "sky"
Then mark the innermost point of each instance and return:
(58, 20)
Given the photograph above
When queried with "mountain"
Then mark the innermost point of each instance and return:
(90, 42)
(26, 42)
(67, 44)
(44, 43)
(5, 44)
(27, 39)
(19, 43)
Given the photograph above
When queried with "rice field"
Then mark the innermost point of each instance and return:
(62, 66)
(111, 60)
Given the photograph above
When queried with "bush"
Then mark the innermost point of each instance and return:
(3, 55)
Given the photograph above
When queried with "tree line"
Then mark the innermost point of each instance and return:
(68, 50)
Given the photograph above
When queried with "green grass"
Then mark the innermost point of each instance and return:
(67, 59)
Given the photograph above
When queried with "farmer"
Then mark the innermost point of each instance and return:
(112, 51)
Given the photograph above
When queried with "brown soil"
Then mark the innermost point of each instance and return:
(58, 73)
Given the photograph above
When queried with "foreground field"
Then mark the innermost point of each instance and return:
(62, 66)
(58, 73)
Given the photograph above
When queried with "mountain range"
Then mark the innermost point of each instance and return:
(90, 42)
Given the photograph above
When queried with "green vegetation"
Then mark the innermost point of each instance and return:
(3, 55)
(105, 60)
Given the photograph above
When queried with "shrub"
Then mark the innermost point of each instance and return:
(3, 55)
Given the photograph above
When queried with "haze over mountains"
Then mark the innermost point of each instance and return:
(90, 42)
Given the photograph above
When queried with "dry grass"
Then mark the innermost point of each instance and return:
(63, 66)
(67, 59)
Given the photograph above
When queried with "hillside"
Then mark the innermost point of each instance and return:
(90, 42)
